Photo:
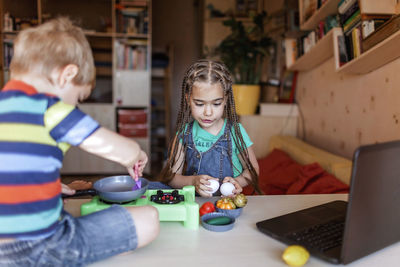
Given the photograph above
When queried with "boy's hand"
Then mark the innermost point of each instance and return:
(201, 184)
(142, 161)
(238, 189)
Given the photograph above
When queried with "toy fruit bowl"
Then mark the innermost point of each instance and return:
(217, 221)
(232, 206)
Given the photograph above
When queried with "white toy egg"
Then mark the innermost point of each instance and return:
(214, 184)
(227, 189)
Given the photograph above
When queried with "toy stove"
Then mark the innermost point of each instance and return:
(172, 205)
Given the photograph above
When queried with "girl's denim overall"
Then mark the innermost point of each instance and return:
(215, 162)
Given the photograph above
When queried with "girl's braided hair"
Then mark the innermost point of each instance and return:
(207, 71)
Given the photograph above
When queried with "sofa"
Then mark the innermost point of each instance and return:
(293, 166)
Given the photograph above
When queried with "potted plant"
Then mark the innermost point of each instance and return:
(243, 52)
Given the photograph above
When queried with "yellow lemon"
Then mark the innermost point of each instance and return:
(295, 256)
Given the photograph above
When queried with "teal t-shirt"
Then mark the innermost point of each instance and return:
(203, 140)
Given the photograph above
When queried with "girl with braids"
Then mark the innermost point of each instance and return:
(210, 143)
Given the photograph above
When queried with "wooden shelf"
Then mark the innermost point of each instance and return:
(328, 8)
(103, 71)
(101, 34)
(381, 54)
(319, 53)
(132, 35)
(372, 7)
(221, 19)
(117, 34)
(98, 34)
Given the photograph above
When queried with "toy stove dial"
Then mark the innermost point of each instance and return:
(167, 198)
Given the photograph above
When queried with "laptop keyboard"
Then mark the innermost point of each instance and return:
(321, 237)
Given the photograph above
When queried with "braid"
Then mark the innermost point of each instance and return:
(212, 72)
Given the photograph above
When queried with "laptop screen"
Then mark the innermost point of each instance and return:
(373, 217)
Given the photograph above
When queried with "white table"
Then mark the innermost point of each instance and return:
(242, 246)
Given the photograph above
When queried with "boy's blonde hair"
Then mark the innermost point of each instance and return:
(53, 45)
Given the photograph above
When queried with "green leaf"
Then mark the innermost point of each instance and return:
(245, 48)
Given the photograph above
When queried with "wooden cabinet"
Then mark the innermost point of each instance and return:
(381, 54)
(119, 32)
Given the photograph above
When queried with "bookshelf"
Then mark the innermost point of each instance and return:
(326, 9)
(108, 25)
(320, 52)
(379, 55)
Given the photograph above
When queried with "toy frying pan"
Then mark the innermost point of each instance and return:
(116, 189)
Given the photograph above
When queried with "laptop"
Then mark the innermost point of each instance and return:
(347, 231)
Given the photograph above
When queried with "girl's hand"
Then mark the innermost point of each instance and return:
(65, 189)
(238, 189)
(201, 185)
(80, 185)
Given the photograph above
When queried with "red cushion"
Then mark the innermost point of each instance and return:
(313, 179)
(277, 172)
(280, 174)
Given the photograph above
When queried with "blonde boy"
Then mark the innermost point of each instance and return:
(51, 71)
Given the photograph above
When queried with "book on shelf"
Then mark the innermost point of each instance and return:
(348, 13)
(331, 22)
(351, 41)
(290, 51)
(352, 21)
(356, 40)
(384, 31)
(131, 57)
(344, 5)
(308, 42)
(369, 25)
(342, 50)
(321, 29)
(8, 51)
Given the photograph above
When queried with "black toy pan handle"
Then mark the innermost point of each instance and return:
(79, 193)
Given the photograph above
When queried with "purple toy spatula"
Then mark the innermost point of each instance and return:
(138, 183)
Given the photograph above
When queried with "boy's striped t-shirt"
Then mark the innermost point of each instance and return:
(35, 131)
